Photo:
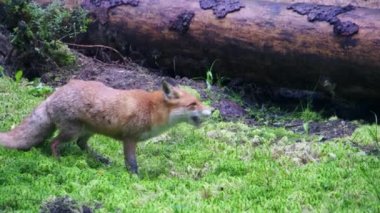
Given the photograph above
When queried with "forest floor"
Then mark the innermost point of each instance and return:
(247, 157)
(231, 105)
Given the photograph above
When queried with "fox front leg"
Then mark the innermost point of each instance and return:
(130, 155)
(54, 148)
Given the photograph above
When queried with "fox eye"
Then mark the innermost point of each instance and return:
(192, 104)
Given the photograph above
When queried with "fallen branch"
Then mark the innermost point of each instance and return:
(98, 46)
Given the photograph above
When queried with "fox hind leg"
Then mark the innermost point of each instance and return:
(66, 134)
(61, 138)
(83, 145)
(82, 142)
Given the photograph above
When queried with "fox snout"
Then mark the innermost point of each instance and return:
(198, 116)
(207, 112)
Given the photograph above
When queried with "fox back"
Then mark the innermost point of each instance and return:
(80, 109)
(123, 113)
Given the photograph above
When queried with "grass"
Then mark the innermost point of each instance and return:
(220, 167)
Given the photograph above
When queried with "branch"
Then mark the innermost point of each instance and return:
(98, 46)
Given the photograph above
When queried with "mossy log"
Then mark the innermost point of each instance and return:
(261, 41)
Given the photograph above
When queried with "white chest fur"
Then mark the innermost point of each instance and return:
(154, 132)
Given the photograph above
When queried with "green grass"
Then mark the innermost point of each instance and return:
(220, 167)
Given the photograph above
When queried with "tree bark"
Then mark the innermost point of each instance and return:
(374, 4)
(264, 42)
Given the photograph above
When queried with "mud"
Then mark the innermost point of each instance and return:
(182, 23)
(100, 8)
(328, 14)
(221, 8)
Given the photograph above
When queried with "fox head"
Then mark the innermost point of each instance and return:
(184, 107)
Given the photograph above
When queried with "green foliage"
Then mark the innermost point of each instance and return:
(235, 97)
(210, 76)
(210, 79)
(38, 89)
(37, 32)
(374, 132)
(61, 54)
(307, 114)
(18, 75)
(306, 127)
(220, 167)
(1, 71)
(367, 135)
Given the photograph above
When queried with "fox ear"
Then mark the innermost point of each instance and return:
(169, 91)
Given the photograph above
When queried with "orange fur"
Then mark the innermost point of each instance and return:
(83, 108)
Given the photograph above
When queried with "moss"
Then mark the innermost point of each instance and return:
(187, 170)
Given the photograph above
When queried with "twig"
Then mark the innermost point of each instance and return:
(98, 46)
(9, 55)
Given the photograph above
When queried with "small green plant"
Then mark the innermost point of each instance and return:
(306, 127)
(220, 80)
(61, 54)
(373, 131)
(18, 76)
(39, 89)
(1, 71)
(210, 80)
(210, 76)
(237, 98)
(216, 116)
(307, 114)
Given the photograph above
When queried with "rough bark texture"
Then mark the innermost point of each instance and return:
(264, 42)
(358, 3)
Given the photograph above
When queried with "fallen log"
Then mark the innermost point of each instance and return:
(374, 4)
(259, 41)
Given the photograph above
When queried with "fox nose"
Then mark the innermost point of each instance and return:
(208, 111)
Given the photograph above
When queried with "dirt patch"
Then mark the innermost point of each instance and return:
(327, 13)
(229, 109)
(221, 8)
(182, 23)
(325, 129)
(64, 204)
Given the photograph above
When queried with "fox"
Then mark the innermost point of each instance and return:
(80, 109)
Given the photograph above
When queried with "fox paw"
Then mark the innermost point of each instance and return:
(104, 160)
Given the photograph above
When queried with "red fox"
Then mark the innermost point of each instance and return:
(80, 109)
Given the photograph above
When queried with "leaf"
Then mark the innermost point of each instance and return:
(306, 127)
(18, 75)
